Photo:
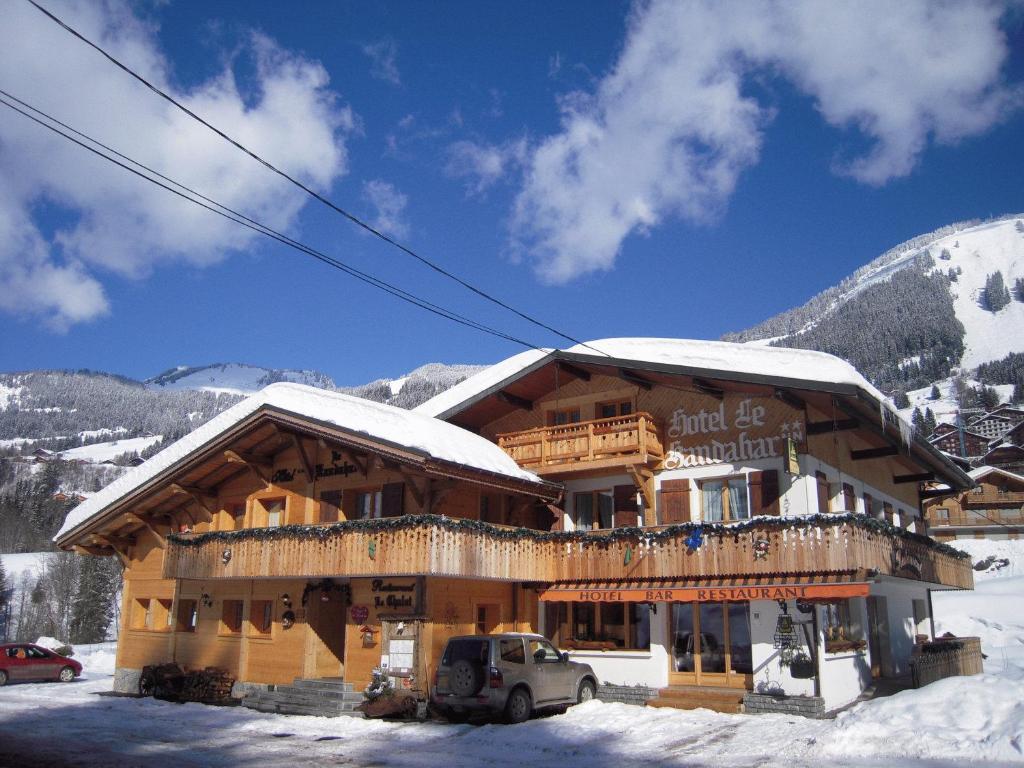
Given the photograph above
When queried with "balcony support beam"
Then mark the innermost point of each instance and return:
(514, 400)
(827, 427)
(573, 370)
(919, 477)
(635, 378)
(874, 453)
(707, 388)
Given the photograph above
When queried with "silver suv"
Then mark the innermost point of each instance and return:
(511, 674)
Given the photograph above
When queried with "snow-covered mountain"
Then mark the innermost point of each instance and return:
(919, 314)
(233, 378)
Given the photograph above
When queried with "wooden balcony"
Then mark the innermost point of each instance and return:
(437, 546)
(599, 444)
(995, 499)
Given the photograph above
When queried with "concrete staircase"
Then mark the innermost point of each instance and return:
(327, 697)
(700, 697)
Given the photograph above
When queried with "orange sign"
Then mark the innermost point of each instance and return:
(707, 594)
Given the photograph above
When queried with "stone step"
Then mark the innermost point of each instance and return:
(347, 698)
(728, 700)
(318, 693)
(326, 684)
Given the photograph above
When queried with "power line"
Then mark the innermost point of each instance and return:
(316, 195)
(241, 219)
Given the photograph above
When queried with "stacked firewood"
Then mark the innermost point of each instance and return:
(208, 685)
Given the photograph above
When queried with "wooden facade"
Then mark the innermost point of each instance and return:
(993, 508)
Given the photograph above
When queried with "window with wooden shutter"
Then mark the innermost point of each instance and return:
(675, 502)
(764, 492)
(869, 504)
(824, 497)
(849, 498)
(392, 499)
(625, 506)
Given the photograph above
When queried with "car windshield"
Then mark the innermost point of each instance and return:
(467, 649)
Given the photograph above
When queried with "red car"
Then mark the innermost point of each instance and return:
(24, 661)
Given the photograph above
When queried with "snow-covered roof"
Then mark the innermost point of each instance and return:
(715, 357)
(415, 431)
(979, 472)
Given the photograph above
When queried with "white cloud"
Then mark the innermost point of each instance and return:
(383, 61)
(482, 165)
(389, 207)
(116, 222)
(669, 130)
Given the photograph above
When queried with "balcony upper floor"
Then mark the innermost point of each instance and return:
(849, 545)
(632, 439)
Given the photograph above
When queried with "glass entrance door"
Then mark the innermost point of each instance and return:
(710, 644)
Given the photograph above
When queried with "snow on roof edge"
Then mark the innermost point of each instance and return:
(433, 437)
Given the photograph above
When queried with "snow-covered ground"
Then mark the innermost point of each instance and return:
(956, 721)
(109, 451)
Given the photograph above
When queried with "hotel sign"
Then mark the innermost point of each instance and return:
(741, 592)
(743, 430)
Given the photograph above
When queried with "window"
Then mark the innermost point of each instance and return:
(188, 615)
(236, 516)
(611, 410)
(367, 505)
(512, 651)
(824, 493)
(490, 508)
(273, 512)
(141, 614)
(563, 416)
(152, 614)
(231, 617)
(724, 500)
(601, 626)
(261, 616)
(543, 652)
(849, 498)
(487, 619)
(593, 509)
(842, 627)
(330, 504)
(869, 505)
(941, 515)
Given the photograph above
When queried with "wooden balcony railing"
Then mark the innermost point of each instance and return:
(437, 546)
(994, 498)
(619, 440)
(979, 517)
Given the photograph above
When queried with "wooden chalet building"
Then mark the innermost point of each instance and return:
(687, 516)
(992, 509)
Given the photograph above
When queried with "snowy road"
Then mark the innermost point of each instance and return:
(55, 724)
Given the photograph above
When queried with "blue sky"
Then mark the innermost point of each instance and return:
(667, 169)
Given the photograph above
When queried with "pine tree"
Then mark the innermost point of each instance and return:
(5, 598)
(93, 608)
(952, 275)
(1018, 288)
(935, 394)
(989, 398)
(945, 255)
(900, 399)
(917, 421)
(929, 422)
(1019, 226)
(995, 296)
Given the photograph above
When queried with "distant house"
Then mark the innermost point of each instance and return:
(994, 423)
(1005, 456)
(42, 455)
(974, 443)
(990, 510)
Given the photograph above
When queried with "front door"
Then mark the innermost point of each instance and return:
(878, 635)
(327, 620)
(710, 645)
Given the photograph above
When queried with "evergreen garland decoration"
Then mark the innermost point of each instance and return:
(629, 535)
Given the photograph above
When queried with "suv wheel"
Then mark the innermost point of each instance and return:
(518, 706)
(466, 678)
(586, 693)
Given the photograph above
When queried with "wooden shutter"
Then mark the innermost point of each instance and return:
(869, 505)
(823, 494)
(392, 499)
(764, 492)
(849, 498)
(625, 506)
(675, 502)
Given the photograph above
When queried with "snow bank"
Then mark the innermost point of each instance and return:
(416, 431)
(109, 451)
